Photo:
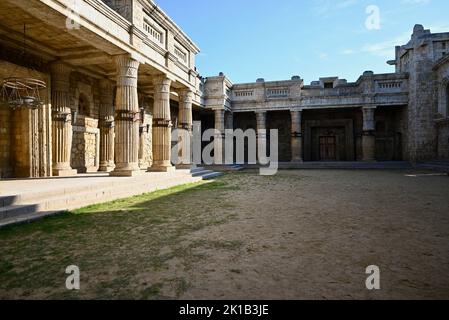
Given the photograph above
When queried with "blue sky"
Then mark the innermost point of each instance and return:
(250, 39)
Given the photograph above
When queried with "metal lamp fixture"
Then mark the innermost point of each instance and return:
(22, 92)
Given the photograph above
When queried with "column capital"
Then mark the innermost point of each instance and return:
(106, 85)
(59, 68)
(125, 60)
(162, 80)
(185, 95)
(368, 119)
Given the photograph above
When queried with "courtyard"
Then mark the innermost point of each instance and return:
(296, 235)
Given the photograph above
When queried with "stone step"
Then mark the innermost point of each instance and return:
(434, 166)
(212, 175)
(197, 169)
(81, 197)
(201, 173)
(225, 168)
(124, 183)
(7, 200)
(27, 218)
(14, 211)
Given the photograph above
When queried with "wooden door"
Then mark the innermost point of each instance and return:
(328, 148)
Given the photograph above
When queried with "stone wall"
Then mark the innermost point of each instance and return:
(281, 121)
(443, 139)
(146, 143)
(5, 142)
(85, 97)
(86, 145)
(25, 136)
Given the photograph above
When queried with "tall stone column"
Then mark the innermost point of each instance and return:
(106, 126)
(127, 118)
(162, 125)
(219, 145)
(369, 137)
(261, 120)
(229, 121)
(185, 124)
(296, 140)
(61, 120)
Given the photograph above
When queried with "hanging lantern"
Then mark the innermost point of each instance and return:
(22, 92)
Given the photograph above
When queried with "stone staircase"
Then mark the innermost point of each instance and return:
(33, 199)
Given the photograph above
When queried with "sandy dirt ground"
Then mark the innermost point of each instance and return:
(296, 235)
(311, 235)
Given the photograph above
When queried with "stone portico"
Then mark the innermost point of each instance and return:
(119, 75)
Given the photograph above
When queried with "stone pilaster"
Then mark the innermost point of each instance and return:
(296, 140)
(229, 121)
(162, 125)
(219, 145)
(127, 118)
(261, 120)
(185, 124)
(106, 126)
(369, 138)
(143, 136)
(61, 120)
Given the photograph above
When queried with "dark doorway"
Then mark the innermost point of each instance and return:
(328, 148)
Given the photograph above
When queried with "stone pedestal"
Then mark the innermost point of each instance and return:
(61, 120)
(162, 126)
(219, 145)
(369, 137)
(296, 137)
(106, 127)
(127, 117)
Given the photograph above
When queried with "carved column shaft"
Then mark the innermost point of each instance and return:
(106, 126)
(185, 125)
(218, 139)
(127, 118)
(261, 120)
(296, 140)
(61, 120)
(162, 125)
(369, 138)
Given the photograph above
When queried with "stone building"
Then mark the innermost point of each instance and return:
(380, 117)
(120, 75)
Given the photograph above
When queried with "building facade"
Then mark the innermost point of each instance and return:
(120, 75)
(381, 117)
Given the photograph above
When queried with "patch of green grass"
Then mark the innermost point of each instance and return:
(115, 242)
